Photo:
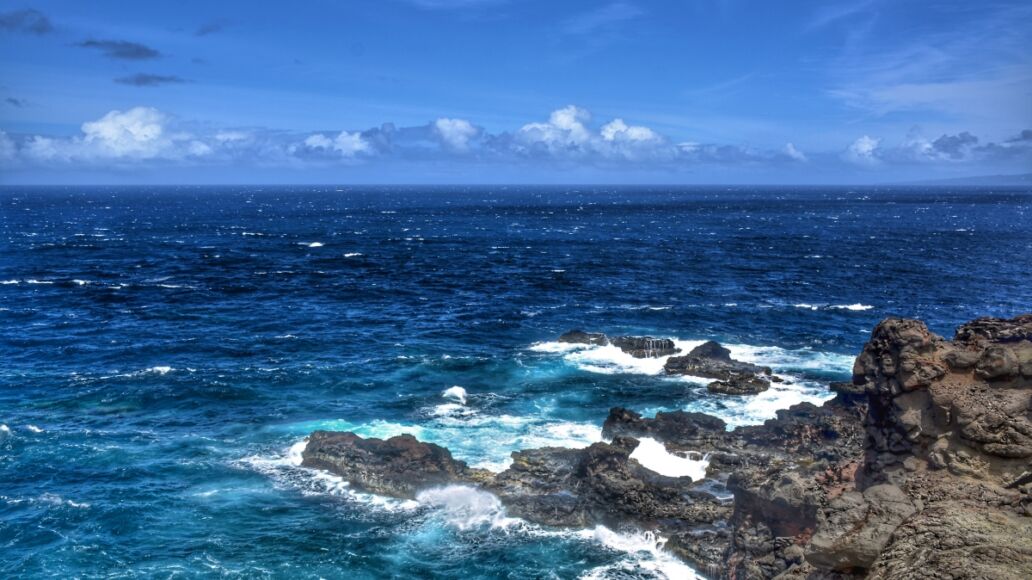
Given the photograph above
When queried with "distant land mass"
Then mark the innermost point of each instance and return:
(1018, 179)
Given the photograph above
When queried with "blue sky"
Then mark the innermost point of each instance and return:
(513, 91)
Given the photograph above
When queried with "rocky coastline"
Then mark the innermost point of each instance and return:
(920, 467)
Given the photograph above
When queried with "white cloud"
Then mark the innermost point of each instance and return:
(7, 148)
(564, 130)
(455, 133)
(863, 151)
(346, 144)
(616, 130)
(794, 153)
(136, 132)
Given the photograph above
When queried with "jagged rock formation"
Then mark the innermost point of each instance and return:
(710, 360)
(399, 467)
(636, 346)
(920, 467)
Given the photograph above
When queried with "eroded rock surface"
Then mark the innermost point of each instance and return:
(713, 361)
(919, 467)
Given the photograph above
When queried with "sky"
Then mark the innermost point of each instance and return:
(513, 91)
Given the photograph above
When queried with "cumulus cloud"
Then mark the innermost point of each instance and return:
(148, 80)
(345, 144)
(121, 49)
(26, 21)
(456, 134)
(863, 151)
(138, 134)
(568, 138)
(564, 131)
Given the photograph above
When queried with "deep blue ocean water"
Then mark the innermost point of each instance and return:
(163, 351)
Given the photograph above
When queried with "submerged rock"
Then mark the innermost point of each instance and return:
(581, 337)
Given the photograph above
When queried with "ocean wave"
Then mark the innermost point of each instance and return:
(611, 360)
(857, 307)
(482, 440)
(738, 411)
(285, 469)
(644, 555)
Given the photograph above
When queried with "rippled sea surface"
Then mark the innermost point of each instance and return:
(163, 351)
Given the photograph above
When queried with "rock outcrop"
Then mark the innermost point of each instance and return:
(636, 346)
(399, 467)
(919, 467)
(713, 361)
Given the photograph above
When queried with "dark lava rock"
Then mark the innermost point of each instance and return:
(636, 346)
(710, 360)
(739, 385)
(398, 467)
(645, 346)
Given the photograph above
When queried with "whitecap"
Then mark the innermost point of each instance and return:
(315, 245)
(161, 370)
(34, 281)
(7, 282)
(80, 282)
(456, 393)
(806, 306)
(34, 429)
(855, 307)
(352, 254)
(651, 454)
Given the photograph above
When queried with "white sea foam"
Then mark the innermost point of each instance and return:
(34, 281)
(80, 282)
(315, 245)
(481, 440)
(6, 282)
(34, 429)
(610, 359)
(285, 469)
(5, 433)
(352, 254)
(466, 507)
(456, 393)
(653, 455)
(644, 554)
(857, 306)
(56, 500)
(161, 370)
(854, 307)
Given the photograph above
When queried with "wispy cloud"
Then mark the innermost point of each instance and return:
(121, 49)
(597, 19)
(981, 71)
(15, 102)
(26, 21)
(835, 12)
(149, 80)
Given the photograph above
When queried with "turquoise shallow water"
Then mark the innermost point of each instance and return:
(165, 350)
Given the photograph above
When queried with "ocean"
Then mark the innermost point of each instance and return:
(165, 350)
